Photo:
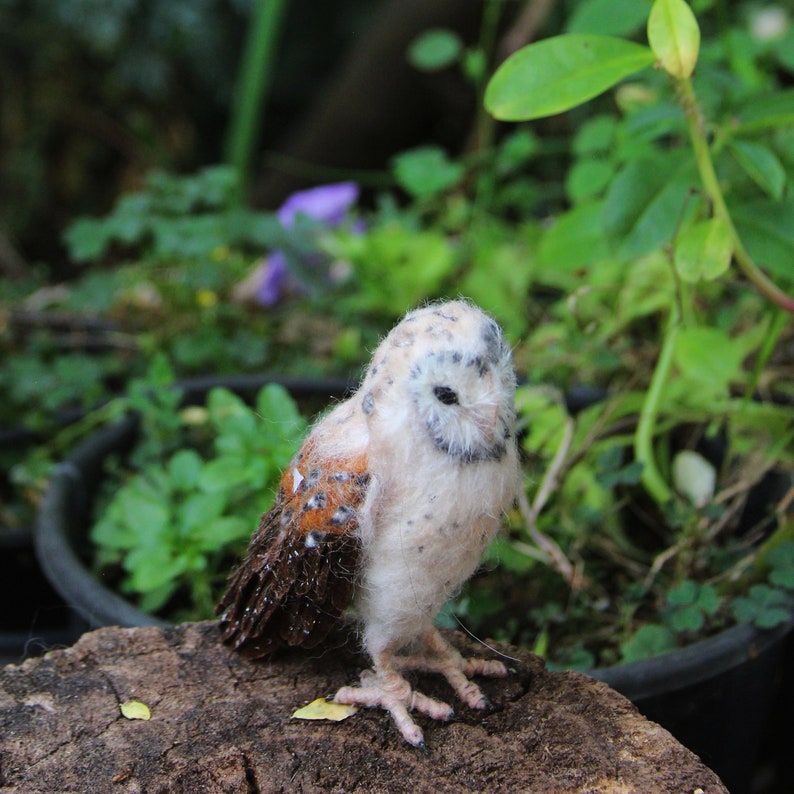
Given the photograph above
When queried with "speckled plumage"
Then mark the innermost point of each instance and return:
(388, 507)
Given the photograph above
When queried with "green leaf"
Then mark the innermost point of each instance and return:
(230, 415)
(688, 618)
(559, 73)
(703, 250)
(684, 594)
(142, 511)
(767, 230)
(509, 558)
(690, 603)
(474, 64)
(783, 578)
(499, 271)
(629, 474)
(709, 357)
(517, 148)
(426, 171)
(86, 239)
(674, 36)
(609, 17)
(647, 641)
(645, 204)
(220, 532)
(224, 474)
(184, 468)
(595, 136)
(781, 559)
(766, 111)
(200, 508)
(587, 179)
(435, 49)
(764, 607)
(151, 568)
(574, 240)
(397, 266)
(278, 411)
(649, 288)
(761, 165)
(708, 599)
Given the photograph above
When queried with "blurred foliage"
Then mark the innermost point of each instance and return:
(595, 240)
(94, 93)
(183, 511)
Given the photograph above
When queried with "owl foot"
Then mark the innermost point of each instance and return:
(438, 656)
(388, 690)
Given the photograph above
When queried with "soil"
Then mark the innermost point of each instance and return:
(220, 723)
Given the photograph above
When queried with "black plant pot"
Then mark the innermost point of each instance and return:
(717, 695)
(33, 617)
(64, 521)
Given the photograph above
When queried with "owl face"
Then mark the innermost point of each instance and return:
(464, 398)
(444, 373)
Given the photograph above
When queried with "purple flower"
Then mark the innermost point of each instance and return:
(329, 205)
(273, 277)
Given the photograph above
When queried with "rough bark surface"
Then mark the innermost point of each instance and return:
(220, 723)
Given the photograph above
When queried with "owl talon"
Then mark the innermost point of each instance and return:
(388, 690)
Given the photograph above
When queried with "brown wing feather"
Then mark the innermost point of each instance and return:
(299, 573)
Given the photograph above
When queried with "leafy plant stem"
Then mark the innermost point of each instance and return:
(69, 435)
(643, 439)
(682, 296)
(486, 124)
(711, 185)
(779, 320)
(254, 82)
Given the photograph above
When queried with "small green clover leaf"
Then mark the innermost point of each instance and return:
(780, 558)
(765, 607)
(647, 641)
(689, 604)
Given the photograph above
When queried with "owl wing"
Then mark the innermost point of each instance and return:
(299, 572)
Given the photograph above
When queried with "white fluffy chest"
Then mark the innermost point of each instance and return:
(420, 549)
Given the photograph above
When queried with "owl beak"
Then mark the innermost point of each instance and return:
(488, 422)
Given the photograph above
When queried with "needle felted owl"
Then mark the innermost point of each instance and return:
(387, 508)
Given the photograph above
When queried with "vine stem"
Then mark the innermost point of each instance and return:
(643, 438)
(711, 184)
(256, 74)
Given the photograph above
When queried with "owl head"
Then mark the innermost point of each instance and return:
(450, 368)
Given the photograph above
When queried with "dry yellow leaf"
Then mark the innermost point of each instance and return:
(135, 710)
(322, 709)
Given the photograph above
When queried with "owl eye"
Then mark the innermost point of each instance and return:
(446, 395)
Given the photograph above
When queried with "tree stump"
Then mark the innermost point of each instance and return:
(220, 723)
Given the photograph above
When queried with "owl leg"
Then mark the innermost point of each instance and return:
(387, 689)
(438, 656)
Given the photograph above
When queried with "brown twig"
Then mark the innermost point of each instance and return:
(524, 29)
(550, 550)
(11, 262)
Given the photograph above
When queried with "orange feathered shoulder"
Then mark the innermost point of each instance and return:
(299, 572)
